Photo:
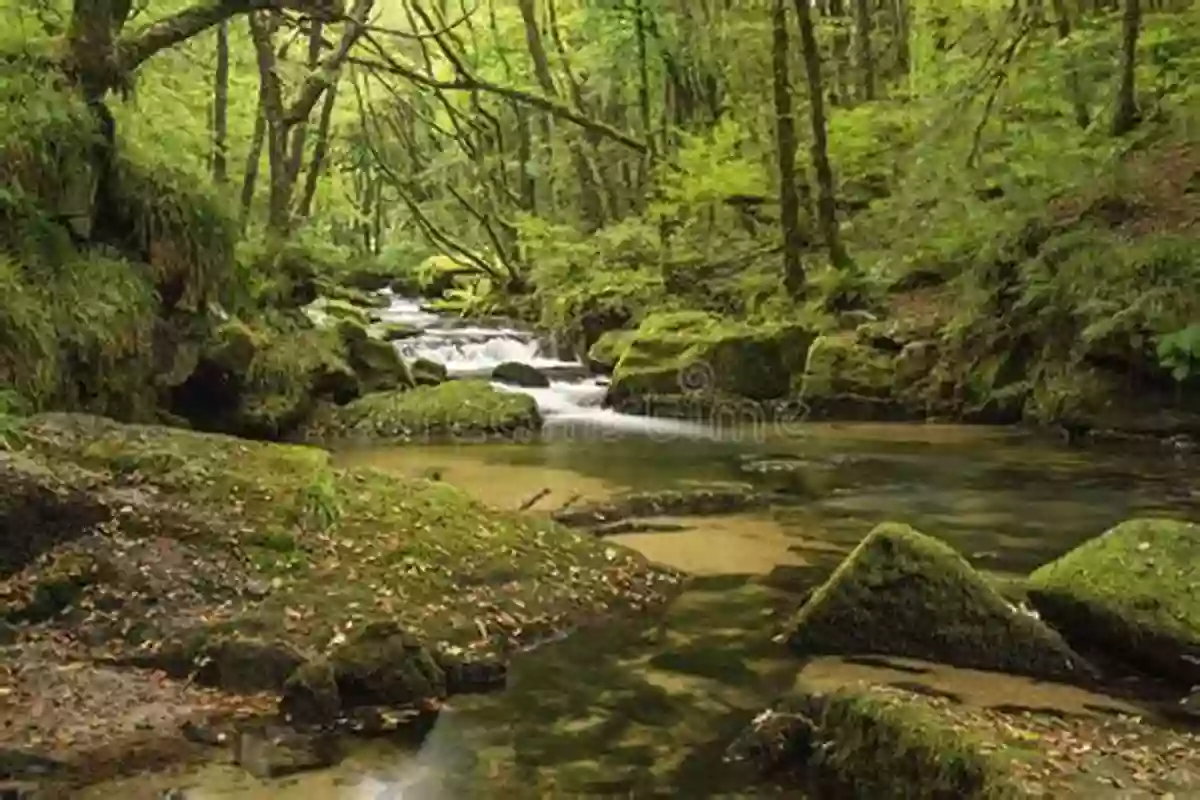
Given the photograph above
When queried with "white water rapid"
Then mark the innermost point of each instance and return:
(572, 401)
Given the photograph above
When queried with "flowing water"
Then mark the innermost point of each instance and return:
(645, 708)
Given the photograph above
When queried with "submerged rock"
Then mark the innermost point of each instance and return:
(271, 751)
(903, 593)
(706, 501)
(516, 373)
(456, 409)
(1133, 592)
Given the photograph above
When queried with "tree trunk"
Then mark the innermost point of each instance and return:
(785, 141)
(220, 116)
(591, 209)
(1062, 23)
(320, 151)
(826, 200)
(1125, 117)
(866, 59)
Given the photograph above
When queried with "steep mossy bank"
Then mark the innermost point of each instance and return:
(259, 567)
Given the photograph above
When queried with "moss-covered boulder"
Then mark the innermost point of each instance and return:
(847, 377)
(427, 372)
(606, 351)
(378, 365)
(460, 409)
(698, 355)
(1134, 592)
(903, 593)
(263, 379)
(865, 741)
(516, 373)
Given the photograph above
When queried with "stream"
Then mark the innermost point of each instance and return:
(646, 707)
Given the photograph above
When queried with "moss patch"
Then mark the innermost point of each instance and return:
(1134, 591)
(460, 409)
(903, 593)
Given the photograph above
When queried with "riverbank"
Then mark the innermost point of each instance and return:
(145, 562)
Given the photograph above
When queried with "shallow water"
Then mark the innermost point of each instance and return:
(645, 708)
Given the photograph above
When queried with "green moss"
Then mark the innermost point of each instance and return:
(1133, 591)
(697, 354)
(459, 409)
(903, 593)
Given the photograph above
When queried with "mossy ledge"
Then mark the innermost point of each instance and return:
(903, 593)
(1134, 593)
(241, 563)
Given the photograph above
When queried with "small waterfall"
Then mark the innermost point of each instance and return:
(572, 402)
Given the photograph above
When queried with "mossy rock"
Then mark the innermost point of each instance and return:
(515, 373)
(437, 274)
(903, 593)
(262, 379)
(426, 372)
(325, 311)
(846, 377)
(864, 741)
(606, 351)
(690, 353)
(455, 409)
(378, 365)
(310, 694)
(398, 331)
(384, 665)
(1134, 592)
(359, 298)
